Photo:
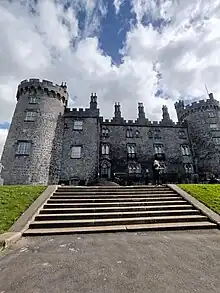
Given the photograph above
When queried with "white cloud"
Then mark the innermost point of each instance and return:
(3, 135)
(186, 52)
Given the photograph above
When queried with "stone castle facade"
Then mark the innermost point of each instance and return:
(49, 143)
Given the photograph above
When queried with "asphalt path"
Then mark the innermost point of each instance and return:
(155, 262)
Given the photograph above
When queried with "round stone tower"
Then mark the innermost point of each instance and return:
(203, 120)
(32, 152)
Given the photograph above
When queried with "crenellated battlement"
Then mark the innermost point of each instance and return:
(199, 106)
(37, 86)
(81, 113)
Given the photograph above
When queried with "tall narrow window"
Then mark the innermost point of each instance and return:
(23, 148)
(129, 132)
(76, 152)
(158, 149)
(131, 148)
(78, 125)
(185, 150)
(105, 132)
(105, 149)
(30, 115)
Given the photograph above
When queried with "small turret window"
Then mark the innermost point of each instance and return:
(185, 150)
(78, 125)
(213, 126)
(23, 148)
(30, 115)
(211, 114)
(33, 100)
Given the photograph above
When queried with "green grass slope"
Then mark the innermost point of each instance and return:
(14, 200)
(209, 194)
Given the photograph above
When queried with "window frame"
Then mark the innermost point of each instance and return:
(80, 155)
(34, 98)
(30, 118)
(76, 127)
(211, 114)
(25, 150)
(129, 132)
(106, 148)
(213, 128)
(158, 145)
(187, 169)
(185, 150)
(105, 131)
(131, 150)
(215, 140)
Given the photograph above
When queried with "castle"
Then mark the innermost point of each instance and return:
(49, 143)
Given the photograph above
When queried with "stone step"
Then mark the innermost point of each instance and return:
(115, 221)
(107, 204)
(100, 196)
(122, 228)
(100, 200)
(113, 192)
(95, 215)
(115, 208)
(130, 188)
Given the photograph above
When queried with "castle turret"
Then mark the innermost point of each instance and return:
(203, 122)
(35, 134)
(93, 102)
(166, 117)
(141, 113)
(117, 110)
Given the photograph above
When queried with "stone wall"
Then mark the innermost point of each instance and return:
(33, 168)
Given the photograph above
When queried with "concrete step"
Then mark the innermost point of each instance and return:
(99, 200)
(115, 208)
(121, 228)
(95, 215)
(115, 221)
(107, 204)
(100, 196)
(130, 188)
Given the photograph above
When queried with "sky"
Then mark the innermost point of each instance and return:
(127, 51)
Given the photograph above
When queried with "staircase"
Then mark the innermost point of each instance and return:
(115, 208)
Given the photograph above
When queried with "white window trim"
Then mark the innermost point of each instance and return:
(76, 152)
(23, 148)
(33, 100)
(158, 149)
(30, 115)
(185, 150)
(131, 149)
(78, 125)
(105, 149)
(213, 126)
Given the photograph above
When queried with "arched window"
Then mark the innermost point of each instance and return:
(105, 149)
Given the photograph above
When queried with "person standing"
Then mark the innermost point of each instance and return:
(156, 172)
(146, 177)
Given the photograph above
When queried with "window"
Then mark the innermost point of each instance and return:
(134, 168)
(76, 152)
(78, 125)
(105, 149)
(158, 149)
(129, 133)
(131, 150)
(216, 140)
(182, 134)
(23, 148)
(30, 115)
(137, 133)
(213, 126)
(32, 100)
(105, 132)
(188, 168)
(185, 150)
(211, 114)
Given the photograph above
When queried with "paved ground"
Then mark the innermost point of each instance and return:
(123, 262)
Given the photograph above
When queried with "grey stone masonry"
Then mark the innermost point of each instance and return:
(49, 143)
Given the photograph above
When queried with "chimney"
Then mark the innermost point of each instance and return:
(93, 101)
(117, 110)
(141, 113)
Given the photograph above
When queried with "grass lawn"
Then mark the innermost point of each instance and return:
(209, 194)
(14, 200)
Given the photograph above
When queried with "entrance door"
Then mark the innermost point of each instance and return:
(105, 170)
